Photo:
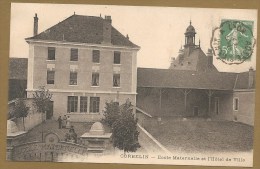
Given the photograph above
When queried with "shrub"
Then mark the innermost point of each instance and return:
(124, 130)
(111, 113)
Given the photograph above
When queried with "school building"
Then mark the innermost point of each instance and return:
(85, 62)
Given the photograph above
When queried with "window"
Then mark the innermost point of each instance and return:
(73, 54)
(117, 57)
(51, 53)
(72, 104)
(83, 104)
(50, 76)
(236, 104)
(94, 104)
(95, 56)
(116, 80)
(73, 78)
(95, 79)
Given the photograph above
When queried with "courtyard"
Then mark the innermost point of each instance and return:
(200, 135)
(191, 135)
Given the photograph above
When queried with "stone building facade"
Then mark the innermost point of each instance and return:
(84, 62)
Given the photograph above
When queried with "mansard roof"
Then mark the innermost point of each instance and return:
(242, 81)
(82, 29)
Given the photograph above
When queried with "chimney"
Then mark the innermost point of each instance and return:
(35, 26)
(210, 58)
(250, 78)
(107, 30)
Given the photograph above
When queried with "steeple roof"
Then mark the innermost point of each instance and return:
(190, 29)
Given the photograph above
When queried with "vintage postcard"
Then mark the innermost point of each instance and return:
(131, 84)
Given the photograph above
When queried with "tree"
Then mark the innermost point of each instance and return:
(124, 130)
(21, 110)
(42, 99)
(111, 113)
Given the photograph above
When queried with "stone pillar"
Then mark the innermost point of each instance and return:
(14, 137)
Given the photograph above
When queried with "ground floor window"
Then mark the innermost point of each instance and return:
(94, 104)
(72, 104)
(236, 104)
(83, 104)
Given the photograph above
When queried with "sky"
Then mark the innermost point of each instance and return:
(159, 31)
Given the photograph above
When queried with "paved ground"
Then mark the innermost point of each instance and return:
(200, 135)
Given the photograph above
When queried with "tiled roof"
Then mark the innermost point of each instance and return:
(18, 68)
(242, 81)
(82, 29)
(168, 78)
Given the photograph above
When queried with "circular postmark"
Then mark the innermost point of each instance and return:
(233, 41)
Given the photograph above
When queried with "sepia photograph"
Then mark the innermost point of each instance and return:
(131, 84)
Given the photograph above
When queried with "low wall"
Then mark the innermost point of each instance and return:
(33, 118)
(30, 121)
(142, 116)
(149, 143)
(146, 140)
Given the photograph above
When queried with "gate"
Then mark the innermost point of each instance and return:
(52, 149)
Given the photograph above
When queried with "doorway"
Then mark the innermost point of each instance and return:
(49, 113)
(216, 105)
(195, 110)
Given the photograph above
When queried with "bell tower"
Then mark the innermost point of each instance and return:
(190, 36)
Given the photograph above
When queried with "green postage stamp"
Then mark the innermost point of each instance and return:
(234, 43)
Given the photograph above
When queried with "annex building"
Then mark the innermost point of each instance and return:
(85, 62)
(193, 87)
